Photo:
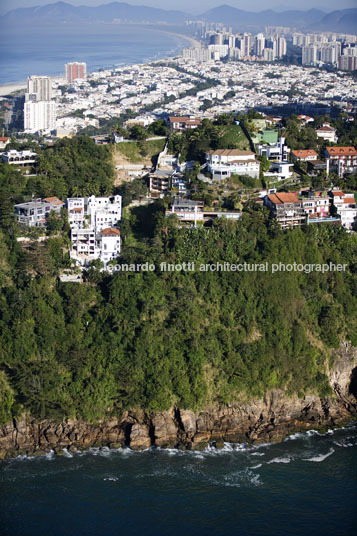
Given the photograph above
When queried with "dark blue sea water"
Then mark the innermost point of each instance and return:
(304, 486)
(45, 50)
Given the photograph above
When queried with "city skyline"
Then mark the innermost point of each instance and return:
(199, 7)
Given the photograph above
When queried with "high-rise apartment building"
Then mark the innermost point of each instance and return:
(75, 70)
(259, 44)
(246, 45)
(39, 88)
(279, 46)
(39, 115)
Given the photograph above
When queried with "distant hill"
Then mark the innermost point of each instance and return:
(62, 12)
(339, 21)
(237, 17)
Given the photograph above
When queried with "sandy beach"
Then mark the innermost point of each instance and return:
(6, 89)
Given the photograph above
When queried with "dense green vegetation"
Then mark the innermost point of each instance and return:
(155, 339)
(136, 151)
(220, 134)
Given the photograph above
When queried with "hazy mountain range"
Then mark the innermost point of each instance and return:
(61, 12)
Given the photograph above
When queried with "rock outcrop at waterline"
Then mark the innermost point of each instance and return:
(267, 419)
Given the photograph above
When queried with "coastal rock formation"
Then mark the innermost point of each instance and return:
(267, 419)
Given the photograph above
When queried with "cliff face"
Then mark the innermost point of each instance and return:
(267, 419)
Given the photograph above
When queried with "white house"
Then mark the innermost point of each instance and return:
(327, 132)
(104, 211)
(346, 207)
(19, 158)
(109, 244)
(75, 206)
(222, 163)
(279, 171)
(93, 223)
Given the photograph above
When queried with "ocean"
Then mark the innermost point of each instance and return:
(303, 486)
(44, 51)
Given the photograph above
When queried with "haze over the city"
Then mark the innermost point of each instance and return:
(199, 6)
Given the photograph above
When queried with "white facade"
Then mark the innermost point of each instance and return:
(109, 245)
(19, 158)
(222, 163)
(279, 171)
(346, 207)
(93, 223)
(39, 116)
(75, 207)
(327, 132)
(104, 211)
(40, 86)
(259, 44)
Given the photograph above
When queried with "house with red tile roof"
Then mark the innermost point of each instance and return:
(286, 208)
(306, 155)
(327, 132)
(342, 160)
(183, 123)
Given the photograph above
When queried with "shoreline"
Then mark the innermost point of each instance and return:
(11, 87)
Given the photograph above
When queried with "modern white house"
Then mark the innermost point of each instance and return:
(19, 158)
(346, 207)
(279, 171)
(109, 244)
(35, 213)
(93, 222)
(222, 163)
(104, 211)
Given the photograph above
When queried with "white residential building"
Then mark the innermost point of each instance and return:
(39, 88)
(327, 132)
(346, 207)
(109, 244)
(93, 223)
(19, 158)
(104, 211)
(222, 163)
(39, 115)
(75, 207)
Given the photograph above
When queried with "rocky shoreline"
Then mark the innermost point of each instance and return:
(265, 420)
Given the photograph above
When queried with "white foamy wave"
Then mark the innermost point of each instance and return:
(50, 455)
(343, 444)
(298, 435)
(280, 460)
(241, 479)
(111, 478)
(320, 458)
(257, 454)
(256, 466)
(67, 454)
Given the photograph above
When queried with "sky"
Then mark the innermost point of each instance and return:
(198, 6)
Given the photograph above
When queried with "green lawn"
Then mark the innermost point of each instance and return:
(139, 151)
(234, 135)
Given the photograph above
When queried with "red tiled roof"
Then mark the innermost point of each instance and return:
(4, 139)
(110, 231)
(304, 153)
(283, 197)
(338, 193)
(341, 151)
(53, 200)
(349, 200)
(325, 129)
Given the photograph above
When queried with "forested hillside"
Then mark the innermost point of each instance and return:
(159, 339)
